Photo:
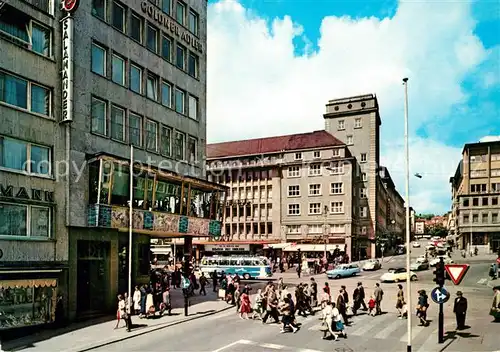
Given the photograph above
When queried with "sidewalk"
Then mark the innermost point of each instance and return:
(84, 336)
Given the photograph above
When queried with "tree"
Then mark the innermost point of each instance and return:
(437, 230)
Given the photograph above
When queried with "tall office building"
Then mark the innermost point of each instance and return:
(80, 82)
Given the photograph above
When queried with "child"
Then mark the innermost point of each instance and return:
(371, 306)
(404, 311)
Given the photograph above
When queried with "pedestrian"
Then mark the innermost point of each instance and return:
(120, 311)
(337, 320)
(203, 283)
(245, 308)
(137, 301)
(258, 305)
(359, 298)
(460, 310)
(400, 301)
(378, 294)
(271, 306)
(299, 269)
(314, 293)
(342, 306)
(214, 280)
(495, 307)
(287, 319)
(423, 304)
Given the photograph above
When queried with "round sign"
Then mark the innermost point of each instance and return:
(70, 5)
(440, 295)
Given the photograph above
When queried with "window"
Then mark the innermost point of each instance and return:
(336, 207)
(119, 15)
(117, 123)
(479, 173)
(23, 156)
(363, 212)
(180, 13)
(478, 158)
(314, 169)
(293, 190)
(466, 219)
(192, 149)
(180, 59)
(495, 187)
(166, 94)
(24, 220)
(494, 201)
(350, 140)
(151, 135)
(315, 189)
(98, 59)
(316, 228)
(466, 202)
(495, 172)
(363, 157)
(475, 202)
(484, 218)
(478, 188)
(193, 107)
(152, 87)
(293, 171)
(336, 168)
(341, 125)
(136, 26)
(15, 91)
(118, 74)
(298, 156)
(362, 193)
(337, 228)
(336, 188)
(357, 122)
(135, 129)
(475, 218)
(495, 156)
(293, 229)
(364, 177)
(180, 142)
(193, 62)
(41, 39)
(98, 116)
(336, 152)
(316, 154)
(485, 201)
(494, 218)
(152, 38)
(293, 209)
(166, 6)
(99, 9)
(363, 229)
(166, 48)
(193, 22)
(136, 79)
(166, 140)
(180, 101)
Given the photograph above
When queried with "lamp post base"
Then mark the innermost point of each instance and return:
(408, 348)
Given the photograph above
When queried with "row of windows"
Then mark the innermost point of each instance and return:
(24, 94)
(484, 173)
(316, 154)
(315, 189)
(316, 209)
(483, 187)
(249, 194)
(484, 201)
(148, 34)
(315, 228)
(358, 123)
(316, 169)
(29, 158)
(25, 221)
(484, 158)
(484, 218)
(141, 132)
(142, 82)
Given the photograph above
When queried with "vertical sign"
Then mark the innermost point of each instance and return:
(68, 6)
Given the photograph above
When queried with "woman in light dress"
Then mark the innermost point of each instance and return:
(258, 307)
(137, 300)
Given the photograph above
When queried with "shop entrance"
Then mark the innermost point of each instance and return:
(93, 276)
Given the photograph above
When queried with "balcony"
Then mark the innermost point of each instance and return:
(164, 204)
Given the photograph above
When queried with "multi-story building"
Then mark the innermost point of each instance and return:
(476, 193)
(395, 216)
(356, 122)
(80, 83)
(420, 227)
(296, 188)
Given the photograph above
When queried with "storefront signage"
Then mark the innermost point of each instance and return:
(70, 5)
(227, 247)
(23, 193)
(67, 69)
(170, 24)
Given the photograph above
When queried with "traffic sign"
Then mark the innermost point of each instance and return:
(456, 272)
(440, 295)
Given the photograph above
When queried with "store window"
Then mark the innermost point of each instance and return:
(19, 220)
(25, 157)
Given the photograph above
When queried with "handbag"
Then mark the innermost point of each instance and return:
(349, 310)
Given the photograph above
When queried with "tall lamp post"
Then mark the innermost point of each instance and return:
(325, 214)
(407, 187)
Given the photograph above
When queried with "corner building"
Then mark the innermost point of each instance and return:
(78, 88)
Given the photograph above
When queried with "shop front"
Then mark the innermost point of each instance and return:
(255, 248)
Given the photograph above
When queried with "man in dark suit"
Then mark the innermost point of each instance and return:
(460, 310)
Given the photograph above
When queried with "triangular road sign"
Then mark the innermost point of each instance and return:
(456, 272)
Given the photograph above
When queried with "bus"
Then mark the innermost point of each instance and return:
(246, 266)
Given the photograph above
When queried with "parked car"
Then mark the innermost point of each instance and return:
(397, 275)
(371, 265)
(416, 244)
(419, 264)
(344, 270)
(446, 260)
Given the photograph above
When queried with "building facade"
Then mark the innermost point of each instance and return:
(476, 191)
(287, 189)
(78, 87)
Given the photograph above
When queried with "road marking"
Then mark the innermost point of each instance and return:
(414, 333)
(429, 344)
(225, 347)
(246, 342)
(482, 281)
(272, 346)
(363, 329)
(308, 350)
(389, 329)
(221, 315)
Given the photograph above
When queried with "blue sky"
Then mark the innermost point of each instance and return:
(272, 65)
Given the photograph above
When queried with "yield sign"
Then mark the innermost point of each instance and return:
(456, 272)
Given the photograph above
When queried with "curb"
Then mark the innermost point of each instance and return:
(140, 333)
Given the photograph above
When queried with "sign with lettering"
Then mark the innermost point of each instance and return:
(227, 247)
(23, 193)
(171, 25)
(67, 69)
(70, 5)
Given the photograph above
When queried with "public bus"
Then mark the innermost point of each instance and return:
(246, 266)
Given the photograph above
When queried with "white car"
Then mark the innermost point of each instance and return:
(436, 260)
(416, 244)
(371, 265)
(397, 275)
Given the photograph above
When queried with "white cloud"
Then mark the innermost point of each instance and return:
(257, 86)
(489, 139)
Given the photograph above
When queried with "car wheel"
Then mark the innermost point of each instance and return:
(413, 278)
(247, 276)
(338, 277)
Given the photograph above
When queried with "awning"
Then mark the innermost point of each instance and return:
(28, 283)
(310, 247)
(279, 245)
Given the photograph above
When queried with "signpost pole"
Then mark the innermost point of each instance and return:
(441, 313)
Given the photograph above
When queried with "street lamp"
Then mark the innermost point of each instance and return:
(407, 187)
(325, 214)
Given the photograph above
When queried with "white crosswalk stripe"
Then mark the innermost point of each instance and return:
(482, 281)
(389, 329)
(414, 332)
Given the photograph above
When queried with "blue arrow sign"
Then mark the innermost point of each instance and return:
(440, 295)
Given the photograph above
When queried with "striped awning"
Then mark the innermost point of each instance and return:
(28, 283)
